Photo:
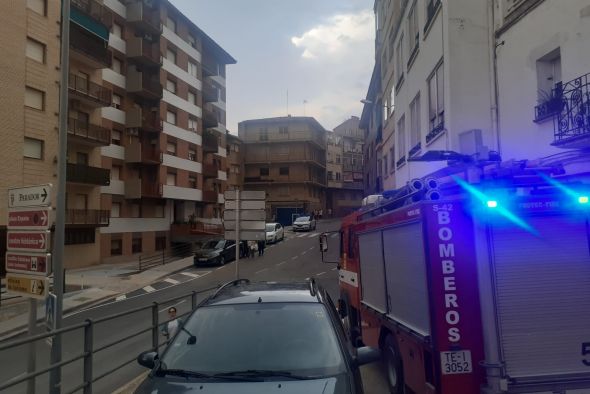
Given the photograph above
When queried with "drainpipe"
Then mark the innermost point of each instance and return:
(493, 47)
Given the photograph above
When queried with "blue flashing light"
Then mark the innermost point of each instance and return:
(492, 204)
(583, 199)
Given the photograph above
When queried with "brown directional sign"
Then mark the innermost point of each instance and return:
(30, 219)
(28, 241)
(29, 286)
(28, 263)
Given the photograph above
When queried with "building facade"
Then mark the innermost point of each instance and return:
(345, 168)
(285, 157)
(146, 121)
(371, 124)
(235, 163)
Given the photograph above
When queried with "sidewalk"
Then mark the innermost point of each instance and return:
(97, 284)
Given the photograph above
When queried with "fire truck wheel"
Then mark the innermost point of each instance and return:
(393, 366)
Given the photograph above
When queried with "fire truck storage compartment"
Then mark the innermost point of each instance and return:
(542, 284)
(393, 271)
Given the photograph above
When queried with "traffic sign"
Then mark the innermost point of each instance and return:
(246, 235)
(245, 195)
(245, 225)
(245, 204)
(30, 219)
(28, 263)
(29, 286)
(28, 241)
(250, 214)
(31, 196)
(50, 311)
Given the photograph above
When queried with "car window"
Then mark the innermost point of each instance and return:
(277, 227)
(270, 227)
(215, 244)
(302, 219)
(297, 337)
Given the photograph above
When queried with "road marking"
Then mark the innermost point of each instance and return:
(170, 280)
(281, 263)
(312, 235)
(306, 278)
(190, 274)
(302, 253)
(262, 270)
(170, 306)
(334, 269)
(121, 297)
(220, 268)
(149, 289)
(334, 235)
(321, 273)
(302, 235)
(294, 257)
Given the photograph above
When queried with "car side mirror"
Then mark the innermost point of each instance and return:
(147, 359)
(367, 355)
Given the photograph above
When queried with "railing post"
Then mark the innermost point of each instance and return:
(163, 256)
(155, 329)
(193, 300)
(88, 355)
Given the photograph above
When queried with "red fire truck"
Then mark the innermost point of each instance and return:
(483, 288)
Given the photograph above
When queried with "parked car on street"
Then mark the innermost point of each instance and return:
(274, 232)
(217, 251)
(304, 223)
(257, 338)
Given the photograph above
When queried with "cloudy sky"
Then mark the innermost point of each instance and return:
(320, 51)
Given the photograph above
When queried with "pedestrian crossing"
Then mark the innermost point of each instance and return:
(308, 235)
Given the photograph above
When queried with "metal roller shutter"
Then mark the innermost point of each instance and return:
(372, 271)
(543, 295)
(405, 270)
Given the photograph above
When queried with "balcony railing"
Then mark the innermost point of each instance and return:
(211, 117)
(415, 149)
(144, 118)
(210, 196)
(143, 51)
(92, 217)
(80, 173)
(435, 131)
(210, 143)
(96, 10)
(210, 92)
(143, 153)
(143, 84)
(144, 16)
(89, 132)
(572, 124)
(209, 170)
(91, 92)
(92, 50)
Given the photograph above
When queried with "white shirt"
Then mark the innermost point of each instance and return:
(172, 327)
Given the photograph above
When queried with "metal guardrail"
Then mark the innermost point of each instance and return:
(89, 347)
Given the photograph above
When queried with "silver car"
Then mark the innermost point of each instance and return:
(274, 232)
(304, 223)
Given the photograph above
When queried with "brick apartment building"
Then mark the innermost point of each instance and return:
(235, 163)
(146, 122)
(286, 157)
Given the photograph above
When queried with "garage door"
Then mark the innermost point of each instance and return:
(543, 295)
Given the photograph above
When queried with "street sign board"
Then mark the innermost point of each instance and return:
(250, 214)
(245, 195)
(28, 263)
(245, 225)
(30, 219)
(245, 204)
(28, 286)
(50, 303)
(246, 235)
(31, 196)
(28, 241)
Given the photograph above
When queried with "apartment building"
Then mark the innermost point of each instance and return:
(235, 163)
(371, 124)
(141, 158)
(286, 157)
(345, 168)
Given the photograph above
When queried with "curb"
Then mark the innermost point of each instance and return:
(132, 385)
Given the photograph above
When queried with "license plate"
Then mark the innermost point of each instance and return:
(202, 259)
(456, 362)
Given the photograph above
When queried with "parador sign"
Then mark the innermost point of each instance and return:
(32, 196)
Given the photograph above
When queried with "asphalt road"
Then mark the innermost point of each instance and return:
(295, 258)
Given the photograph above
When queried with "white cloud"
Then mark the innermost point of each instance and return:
(337, 35)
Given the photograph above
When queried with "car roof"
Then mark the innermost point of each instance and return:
(243, 291)
(273, 223)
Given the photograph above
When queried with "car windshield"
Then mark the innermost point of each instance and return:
(216, 244)
(302, 219)
(293, 337)
(270, 227)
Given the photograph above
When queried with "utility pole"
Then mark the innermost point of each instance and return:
(58, 248)
(237, 233)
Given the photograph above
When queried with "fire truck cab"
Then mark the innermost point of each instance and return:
(485, 290)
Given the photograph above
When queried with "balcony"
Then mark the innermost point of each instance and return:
(435, 132)
(144, 17)
(352, 185)
(210, 196)
(88, 133)
(210, 92)
(91, 93)
(143, 84)
(144, 118)
(211, 117)
(142, 153)
(89, 49)
(139, 188)
(144, 52)
(93, 9)
(83, 174)
(572, 124)
(210, 143)
(210, 69)
(87, 217)
(209, 170)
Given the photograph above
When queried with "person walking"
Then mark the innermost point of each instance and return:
(253, 248)
(320, 213)
(261, 246)
(172, 326)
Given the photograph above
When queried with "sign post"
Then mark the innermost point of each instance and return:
(28, 262)
(244, 218)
